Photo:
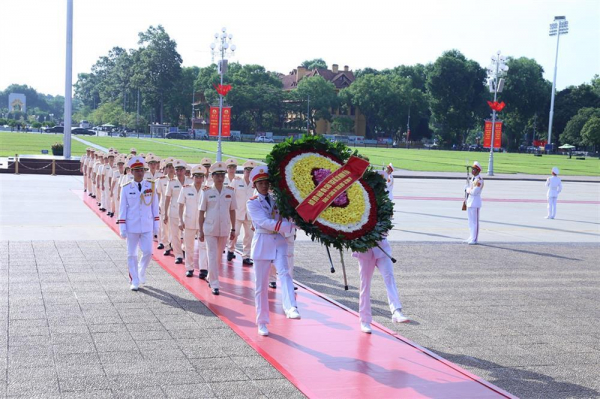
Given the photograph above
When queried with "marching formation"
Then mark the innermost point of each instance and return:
(196, 214)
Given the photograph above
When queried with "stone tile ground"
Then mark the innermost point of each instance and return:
(524, 317)
(72, 329)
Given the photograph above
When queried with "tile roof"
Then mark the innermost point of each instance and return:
(340, 80)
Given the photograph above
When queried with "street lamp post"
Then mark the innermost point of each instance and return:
(222, 46)
(68, 82)
(560, 26)
(495, 71)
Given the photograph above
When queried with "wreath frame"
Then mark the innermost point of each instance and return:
(372, 181)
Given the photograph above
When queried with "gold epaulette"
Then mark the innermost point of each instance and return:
(253, 198)
(229, 187)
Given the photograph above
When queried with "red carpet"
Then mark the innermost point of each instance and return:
(325, 355)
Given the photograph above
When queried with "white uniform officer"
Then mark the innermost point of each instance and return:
(554, 185)
(269, 246)
(367, 262)
(108, 171)
(207, 163)
(189, 200)
(161, 188)
(474, 203)
(216, 221)
(172, 216)
(244, 190)
(115, 181)
(153, 174)
(97, 162)
(389, 181)
(231, 170)
(83, 168)
(138, 221)
(89, 165)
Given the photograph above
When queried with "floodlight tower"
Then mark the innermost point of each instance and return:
(560, 26)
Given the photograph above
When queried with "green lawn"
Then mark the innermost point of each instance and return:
(416, 160)
(33, 144)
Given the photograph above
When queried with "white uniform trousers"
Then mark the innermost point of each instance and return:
(366, 267)
(189, 239)
(552, 207)
(175, 236)
(106, 200)
(163, 230)
(290, 260)
(85, 179)
(117, 202)
(473, 217)
(137, 269)
(247, 241)
(261, 279)
(215, 246)
(200, 255)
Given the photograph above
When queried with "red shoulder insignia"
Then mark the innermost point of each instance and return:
(253, 197)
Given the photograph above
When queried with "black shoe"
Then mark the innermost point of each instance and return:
(160, 246)
(189, 273)
(167, 252)
(85, 191)
(102, 210)
(272, 285)
(93, 196)
(184, 254)
(215, 291)
(179, 261)
(117, 222)
(295, 288)
(230, 256)
(248, 262)
(111, 214)
(203, 274)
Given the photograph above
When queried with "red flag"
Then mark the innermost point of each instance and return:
(222, 89)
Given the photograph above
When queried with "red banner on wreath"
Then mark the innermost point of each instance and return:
(225, 124)
(487, 135)
(330, 188)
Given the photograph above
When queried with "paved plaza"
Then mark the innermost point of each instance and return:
(520, 310)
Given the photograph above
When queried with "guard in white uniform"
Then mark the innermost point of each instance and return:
(96, 190)
(244, 190)
(153, 174)
(161, 188)
(269, 246)
(172, 217)
(83, 168)
(474, 203)
(207, 163)
(108, 171)
(216, 221)
(90, 164)
(138, 220)
(189, 200)
(115, 185)
(554, 185)
(367, 262)
(389, 181)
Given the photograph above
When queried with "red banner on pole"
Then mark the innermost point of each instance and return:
(214, 122)
(330, 188)
(487, 134)
(225, 124)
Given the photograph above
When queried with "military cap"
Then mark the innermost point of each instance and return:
(218, 167)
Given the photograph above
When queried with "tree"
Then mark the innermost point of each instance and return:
(159, 66)
(315, 63)
(525, 94)
(342, 124)
(323, 99)
(385, 100)
(568, 102)
(572, 134)
(590, 133)
(457, 96)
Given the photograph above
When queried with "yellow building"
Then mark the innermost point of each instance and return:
(340, 79)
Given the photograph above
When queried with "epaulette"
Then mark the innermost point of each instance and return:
(162, 177)
(254, 197)
(124, 184)
(188, 185)
(229, 187)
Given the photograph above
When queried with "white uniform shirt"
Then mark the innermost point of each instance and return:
(107, 172)
(116, 179)
(554, 185)
(216, 207)
(474, 200)
(173, 189)
(243, 192)
(268, 226)
(161, 188)
(138, 212)
(190, 198)
(149, 176)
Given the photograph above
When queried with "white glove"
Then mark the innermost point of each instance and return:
(123, 233)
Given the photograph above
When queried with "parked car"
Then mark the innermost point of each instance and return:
(475, 147)
(54, 129)
(178, 135)
(80, 130)
(264, 139)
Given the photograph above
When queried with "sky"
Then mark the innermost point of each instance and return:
(280, 34)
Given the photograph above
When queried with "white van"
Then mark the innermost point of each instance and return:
(85, 125)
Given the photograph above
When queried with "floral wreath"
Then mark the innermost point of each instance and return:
(357, 219)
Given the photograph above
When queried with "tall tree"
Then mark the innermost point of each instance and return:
(590, 133)
(457, 95)
(525, 94)
(159, 67)
(568, 102)
(323, 99)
